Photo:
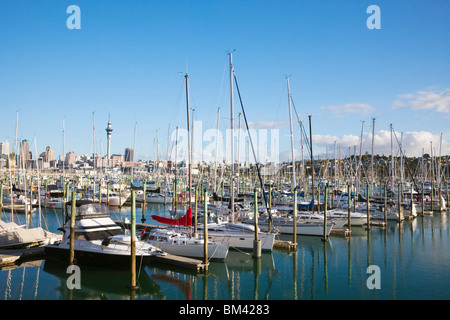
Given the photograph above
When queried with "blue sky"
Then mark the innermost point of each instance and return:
(129, 58)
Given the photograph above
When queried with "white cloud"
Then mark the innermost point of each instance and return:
(413, 142)
(434, 100)
(350, 108)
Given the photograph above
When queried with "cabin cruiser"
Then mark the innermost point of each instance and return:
(98, 240)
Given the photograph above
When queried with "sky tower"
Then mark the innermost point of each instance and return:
(108, 135)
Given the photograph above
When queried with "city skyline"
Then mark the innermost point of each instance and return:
(127, 64)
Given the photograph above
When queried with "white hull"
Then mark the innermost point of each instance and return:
(158, 198)
(239, 239)
(216, 251)
(176, 243)
(303, 228)
(356, 218)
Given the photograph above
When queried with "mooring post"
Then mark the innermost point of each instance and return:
(325, 231)
(72, 231)
(205, 233)
(368, 207)
(294, 233)
(256, 242)
(195, 212)
(133, 285)
(349, 204)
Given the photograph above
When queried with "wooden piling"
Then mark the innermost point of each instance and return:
(72, 231)
(256, 242)
(195, 212)
(325, 236)
(367, 207)
(385, 203)
(294, 233)
(349, 204)
(423, 199)
(400, 212)
(205, 233)
(133, 285)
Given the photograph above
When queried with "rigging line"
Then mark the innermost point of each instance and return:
(406, 162)
(315, 166)
(253, 150)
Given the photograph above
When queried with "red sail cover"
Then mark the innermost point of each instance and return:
(185, 220)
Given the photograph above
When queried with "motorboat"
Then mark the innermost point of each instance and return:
(98, 239)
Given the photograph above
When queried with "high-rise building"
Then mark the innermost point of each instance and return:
(129, 155)
(25, 153)
(70, 158)
(108, 136)
(4, 148)
(50, 154)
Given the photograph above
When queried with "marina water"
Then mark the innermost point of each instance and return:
(412, 257)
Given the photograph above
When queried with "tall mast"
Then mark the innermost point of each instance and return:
(293, 185)
(232, 137)
(188, 139)
(371, 163)
(392, 164)
(312, 163)
(93, 139)
(64, 138)
(217, 141)
(303, 160)
(238, 149)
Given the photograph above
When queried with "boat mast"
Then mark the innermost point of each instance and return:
(238, 149)
(293, 184)
(392, 165)
(188, 139)
(303, 159)
(232, 138)
(371, 163)
(217, 141)
(312, 164)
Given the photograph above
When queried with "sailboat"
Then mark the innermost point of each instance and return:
(180, 242)
(304, 224)
(14, 236)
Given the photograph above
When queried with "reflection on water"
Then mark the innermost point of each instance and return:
(413, 258)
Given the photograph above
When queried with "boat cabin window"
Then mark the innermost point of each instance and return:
(96, 235)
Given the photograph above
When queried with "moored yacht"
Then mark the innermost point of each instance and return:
(184, 245)
(98, 240)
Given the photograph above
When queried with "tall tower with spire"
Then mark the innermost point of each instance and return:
(108, 135)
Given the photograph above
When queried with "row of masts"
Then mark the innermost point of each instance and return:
(350, 170)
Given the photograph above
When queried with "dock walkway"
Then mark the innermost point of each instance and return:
(8, 257)
(185, 262)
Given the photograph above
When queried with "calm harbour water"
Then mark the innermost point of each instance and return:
(413, 259)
